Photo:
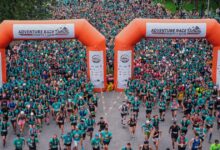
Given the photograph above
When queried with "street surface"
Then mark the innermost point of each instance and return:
(108, 108)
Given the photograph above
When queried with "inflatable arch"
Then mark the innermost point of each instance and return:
(162, 28)
(80, 29)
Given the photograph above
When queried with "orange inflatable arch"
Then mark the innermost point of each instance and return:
(162, 28)
(79, 29)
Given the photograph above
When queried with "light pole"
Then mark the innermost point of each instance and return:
(208, 4)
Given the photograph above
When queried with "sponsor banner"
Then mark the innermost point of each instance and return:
(124, 68)
(43, 31)
(96, 63)
(0, 70)
(176, 30)
(218, 70)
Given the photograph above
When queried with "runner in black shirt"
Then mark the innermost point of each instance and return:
(102, 124)
(174, 131)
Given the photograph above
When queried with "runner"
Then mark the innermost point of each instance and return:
(106, 137)
(127, 147)
(124, 112)
(32, 142)
(145, 146)
(40, 114)
(196, 120)
(77, 138)
(174, 131)
(34, 131)
(185, 124)
(67, 140)
(54, 143)
(195, 143)
(95, 142)
(174, 107)
(74, 119)
(132, 122)
(162, 109)
(46, 110)
(102, 124)
(82, 126)
(60, 121)
(155, 138)
(31, 120)
(83, 112)
(147, 129)
(4, 130)
(13, 115)
(21, 120)
(209, 121)
(92, 109)
(19, 142)
(201, 131)
(90, 122)
(215, 146)
(55, 107)
(182, 142)
(135, 106)
(187, 108)
(155, 121)
(149, 107)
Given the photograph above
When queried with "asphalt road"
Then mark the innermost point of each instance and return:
(108, 108)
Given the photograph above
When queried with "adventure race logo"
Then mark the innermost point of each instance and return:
(192, 30)
(124, 58)
(43, 31)
(176, 30)
(61, 31)
(96, 58)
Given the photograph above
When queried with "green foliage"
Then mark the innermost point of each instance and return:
(24, 9)
(189, 5)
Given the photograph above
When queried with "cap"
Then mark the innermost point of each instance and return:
(147, 121)
(32, 113)
(22, 112)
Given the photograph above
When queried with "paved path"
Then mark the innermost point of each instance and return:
(108, 107)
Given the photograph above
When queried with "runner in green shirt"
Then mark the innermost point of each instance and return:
(162, 109)
(149, 107)
(77, 136)
(127, 147)
(67, 140)
(184, 125)
(95, 142)
(106, 137)
(90, 122)
(147, 129)
(19, 142)
(215, 146)
(135, 106)
(32, 142)
(54, 143)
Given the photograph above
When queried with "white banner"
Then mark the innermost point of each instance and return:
(124, 68)
(96, 63)
(218, 70)
(1, 70)
(176, 30)
(43, 31)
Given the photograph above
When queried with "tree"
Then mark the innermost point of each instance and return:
(24, 9)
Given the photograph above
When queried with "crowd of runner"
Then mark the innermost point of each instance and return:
(47, 81)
